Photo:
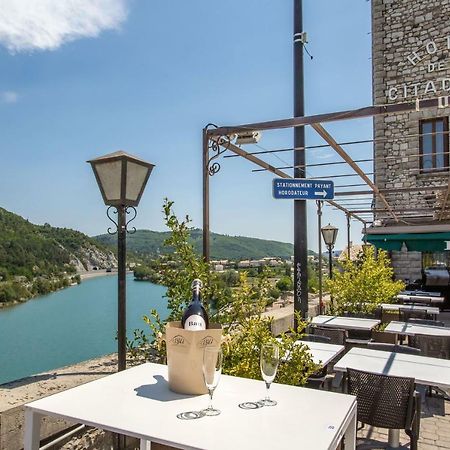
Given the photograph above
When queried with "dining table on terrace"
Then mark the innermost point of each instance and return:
(346, 323)
(411, 329)
(138, 402)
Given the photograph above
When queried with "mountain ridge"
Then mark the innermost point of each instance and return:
(150, 243)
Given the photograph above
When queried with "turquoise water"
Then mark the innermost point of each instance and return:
(71, 325)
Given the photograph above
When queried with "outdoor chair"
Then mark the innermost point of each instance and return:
(393, 348)
(386, 402)
(432, 346)
(316, 338)
(318, 380)
(435, 323)
(337, 336)
(405, 315)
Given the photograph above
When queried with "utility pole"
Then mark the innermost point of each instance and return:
(300, 219)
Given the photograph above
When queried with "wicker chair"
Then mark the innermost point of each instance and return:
(393, 348)
(319, 379)
(434, 323)
(405, 314)
(337, 335)
(386, 402)
(316, 338)
(433, 346)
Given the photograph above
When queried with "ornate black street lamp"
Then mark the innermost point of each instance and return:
(121, 179)
(329, 234)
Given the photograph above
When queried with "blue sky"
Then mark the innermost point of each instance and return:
(145, 76)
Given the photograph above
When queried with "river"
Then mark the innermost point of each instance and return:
(71, 325)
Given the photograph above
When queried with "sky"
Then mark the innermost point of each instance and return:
(83, 78)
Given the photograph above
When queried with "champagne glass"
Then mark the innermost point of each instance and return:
(212, 368)
(270, 357)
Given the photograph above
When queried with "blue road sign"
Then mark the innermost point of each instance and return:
(303, 189)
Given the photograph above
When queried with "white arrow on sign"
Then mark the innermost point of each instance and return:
(322, 193)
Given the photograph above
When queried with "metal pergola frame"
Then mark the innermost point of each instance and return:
(217, 141)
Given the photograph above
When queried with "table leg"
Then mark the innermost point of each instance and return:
(350, 434)
(394, 438)
(32, 435)
(145, 445)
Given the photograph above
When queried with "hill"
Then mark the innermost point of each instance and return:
(147, 242)
(36, 259)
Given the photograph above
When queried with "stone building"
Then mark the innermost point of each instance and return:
(411, 60)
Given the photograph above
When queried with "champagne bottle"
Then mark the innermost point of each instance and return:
(195, 317)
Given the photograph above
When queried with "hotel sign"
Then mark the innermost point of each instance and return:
(440, 85)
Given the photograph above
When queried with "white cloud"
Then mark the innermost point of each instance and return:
(9, 97)
(27, 25)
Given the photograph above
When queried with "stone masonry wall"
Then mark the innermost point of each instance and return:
(411, 59)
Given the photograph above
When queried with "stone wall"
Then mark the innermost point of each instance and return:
(15, 394)
(410, 60)
(407, 265)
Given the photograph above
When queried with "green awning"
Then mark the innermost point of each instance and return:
(417, 242)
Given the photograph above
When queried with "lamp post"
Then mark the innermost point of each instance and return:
(329, 234)
(121, 179)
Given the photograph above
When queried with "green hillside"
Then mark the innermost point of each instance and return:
(146, 242)
(36, 259)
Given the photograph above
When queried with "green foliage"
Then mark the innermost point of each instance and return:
(313, 278)
(36, 259)
(364, 284)
(274, 293)
(238, 310)
(230, 278)
(146, 242)
(285, 284)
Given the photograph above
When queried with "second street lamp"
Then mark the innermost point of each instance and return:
(329, 234)
(121, 178)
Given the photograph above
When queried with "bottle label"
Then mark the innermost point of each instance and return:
(195, 323)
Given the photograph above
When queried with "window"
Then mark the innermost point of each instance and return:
(434, 144)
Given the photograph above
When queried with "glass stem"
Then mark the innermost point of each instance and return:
(210, 391)
(267, 391)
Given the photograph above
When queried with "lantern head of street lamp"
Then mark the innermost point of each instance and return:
(121, 178)
(329, 234)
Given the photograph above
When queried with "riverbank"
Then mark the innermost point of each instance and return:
(97, 273)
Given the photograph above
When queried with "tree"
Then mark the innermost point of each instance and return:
(364, 284)
(285, 284)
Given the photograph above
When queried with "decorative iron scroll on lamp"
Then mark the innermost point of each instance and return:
(122, 179)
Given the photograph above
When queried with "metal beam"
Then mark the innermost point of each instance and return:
(368, 111)
(281, 174)
(344, 155)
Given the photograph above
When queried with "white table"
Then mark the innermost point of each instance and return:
(396, 307)
(322, 353)
(346, 323)
(425, 370)
(138, 403)
(410, 329)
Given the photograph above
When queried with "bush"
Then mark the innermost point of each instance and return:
(238, 310)
(274, 293)
(364, 284)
